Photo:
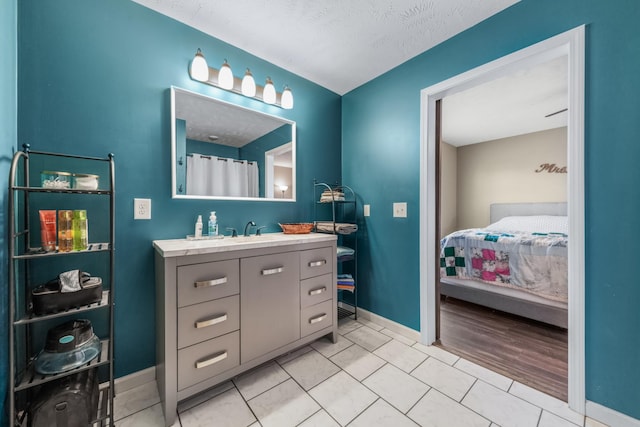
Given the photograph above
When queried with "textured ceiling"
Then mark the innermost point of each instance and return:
(337, 44)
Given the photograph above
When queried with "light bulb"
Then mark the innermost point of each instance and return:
(269, 92)
(287, 98)
(199, 69)
(225, 76)
(248, 84)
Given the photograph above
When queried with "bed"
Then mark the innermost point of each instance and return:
(517, 264)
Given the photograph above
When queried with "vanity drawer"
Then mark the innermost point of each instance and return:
(201, 322)
(316, 317)
(315, 290)
(203, 282)
(316, 262)
(207, 359)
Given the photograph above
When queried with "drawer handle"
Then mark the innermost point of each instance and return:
(317, 291)
(318, 263)
(215, 359)
(208, 283)
(270, 271)
(210, 322)
(317, 318)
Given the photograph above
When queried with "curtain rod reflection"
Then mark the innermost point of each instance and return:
(202, 156)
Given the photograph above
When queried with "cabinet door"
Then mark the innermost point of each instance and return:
(269, 303)
(315, 262)
(208, 281)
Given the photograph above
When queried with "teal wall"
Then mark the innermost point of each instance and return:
(381, 146)
(94, 78)
(8, 135)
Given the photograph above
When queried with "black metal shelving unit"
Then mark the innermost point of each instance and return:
(342, 221)
(23, 380)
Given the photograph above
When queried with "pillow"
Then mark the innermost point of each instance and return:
(532, 224)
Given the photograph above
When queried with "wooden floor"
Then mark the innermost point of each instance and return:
(527, 351)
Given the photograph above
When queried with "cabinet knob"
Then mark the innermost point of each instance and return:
(317, 291)
(270, 271)
(317, 318)
(317, 263)
(215, 359)
(211, 322)
(208, 283)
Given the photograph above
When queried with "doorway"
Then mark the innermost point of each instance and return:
(570, 44)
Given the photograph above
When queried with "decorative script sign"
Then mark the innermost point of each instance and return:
(551, 168)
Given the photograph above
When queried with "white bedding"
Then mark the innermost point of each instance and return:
(532, 224)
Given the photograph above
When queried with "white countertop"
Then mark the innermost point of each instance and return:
(181, 247)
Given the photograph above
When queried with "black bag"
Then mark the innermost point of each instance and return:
(49, 298)
(71, 401)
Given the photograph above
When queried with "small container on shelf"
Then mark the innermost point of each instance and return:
(65, 230)
(84, 181)
(55, 180)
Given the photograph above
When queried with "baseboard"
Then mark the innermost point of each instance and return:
(609, 416)
(135, 379)
(405, 331)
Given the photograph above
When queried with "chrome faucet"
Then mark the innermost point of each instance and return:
(246, 227)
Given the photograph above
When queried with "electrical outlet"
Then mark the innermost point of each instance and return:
(141, 208)
(400, 210)
(367, 210)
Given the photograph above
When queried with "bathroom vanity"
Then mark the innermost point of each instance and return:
(227, 305)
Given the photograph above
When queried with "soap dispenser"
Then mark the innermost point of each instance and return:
(198, 233)
(213, 224)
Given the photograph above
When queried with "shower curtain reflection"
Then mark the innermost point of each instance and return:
(220, 176)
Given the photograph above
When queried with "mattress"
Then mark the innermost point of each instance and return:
(524, 253)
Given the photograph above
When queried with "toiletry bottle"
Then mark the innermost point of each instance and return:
(213, 224)
(198, 234)
(65, 231)
(48, 230)
(80, 230)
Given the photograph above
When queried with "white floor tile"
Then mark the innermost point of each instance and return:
(398, 337)
(328, 349)
(343, 397)
(310, 369)
(367, 338)
(369, 323)
(401, 355)
(225, 410)
(437, 410)
(396, 387)
(486, 375)
(260, 380)
(501, 407)
(204, 396)
(358, 362)
(437, 352)
(135, 400)
(444, 378)
(320, 419)
(150, 417)
(347, 325)
(284, 405)
(590, 422)
(547, 419)
(381, 414)
(550, 403)
(294, 354)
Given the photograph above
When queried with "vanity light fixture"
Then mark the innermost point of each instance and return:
(225, 76)
(224, 79)
(269, 92)
(248, 84)
(199, 69)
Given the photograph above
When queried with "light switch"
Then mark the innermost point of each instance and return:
(141, 208)
(367, 210)
(400, 210)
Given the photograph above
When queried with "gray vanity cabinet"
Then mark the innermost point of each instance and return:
(270, 296)
(223, 307)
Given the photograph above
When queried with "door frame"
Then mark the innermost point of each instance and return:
(571, 44)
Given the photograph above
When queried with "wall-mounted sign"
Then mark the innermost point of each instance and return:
(551, 168)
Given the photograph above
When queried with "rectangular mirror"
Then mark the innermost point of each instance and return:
(221, 150)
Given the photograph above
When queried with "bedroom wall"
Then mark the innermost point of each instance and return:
(504, 171)
(448, 189)
(95, 77)
(381, 130)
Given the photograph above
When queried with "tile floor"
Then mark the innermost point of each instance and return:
(370, 377)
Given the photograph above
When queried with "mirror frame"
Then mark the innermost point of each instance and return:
(174, 160)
